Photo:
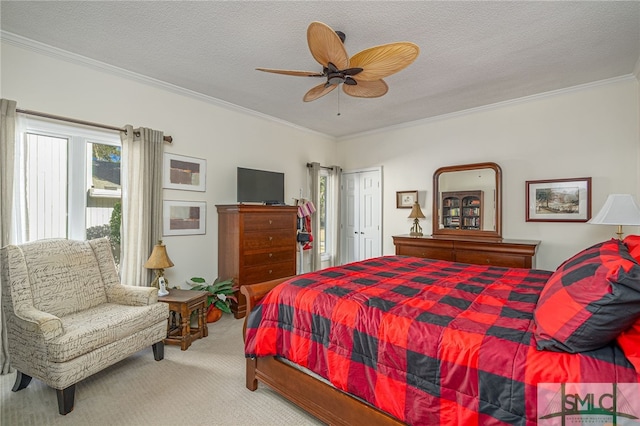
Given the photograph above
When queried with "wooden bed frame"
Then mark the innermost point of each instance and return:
(320, 399)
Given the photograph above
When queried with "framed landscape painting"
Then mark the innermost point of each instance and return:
(559, 200)
(180, 172)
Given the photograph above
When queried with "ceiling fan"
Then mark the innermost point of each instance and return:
(361, 75)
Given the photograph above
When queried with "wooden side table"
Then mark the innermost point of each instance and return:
(181, 304)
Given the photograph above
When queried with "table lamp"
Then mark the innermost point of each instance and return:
(416, 213)
(159, 261)
(619, 209)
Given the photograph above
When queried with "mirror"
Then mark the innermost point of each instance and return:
(467, 201)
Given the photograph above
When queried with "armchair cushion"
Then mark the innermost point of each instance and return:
(63, 276)
(90, 329)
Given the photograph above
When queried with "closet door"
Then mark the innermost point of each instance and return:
(361, 196)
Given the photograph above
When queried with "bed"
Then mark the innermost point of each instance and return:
(403, 340)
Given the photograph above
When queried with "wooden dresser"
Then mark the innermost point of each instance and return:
(508, 253)
(255, 243)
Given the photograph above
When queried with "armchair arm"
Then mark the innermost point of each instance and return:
(132, 295)
(33, 321)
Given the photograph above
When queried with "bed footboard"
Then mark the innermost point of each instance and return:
(318, 398)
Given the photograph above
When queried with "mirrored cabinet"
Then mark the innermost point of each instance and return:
(467, 221)
(467, 201)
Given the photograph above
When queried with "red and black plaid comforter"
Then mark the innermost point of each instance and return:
(430, 342)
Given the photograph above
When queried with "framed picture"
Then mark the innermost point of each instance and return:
(180, 172)
(184, 217)
(559, 200)
(405, 199)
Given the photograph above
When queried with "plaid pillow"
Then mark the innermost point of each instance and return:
(589, 300)
(629, 341)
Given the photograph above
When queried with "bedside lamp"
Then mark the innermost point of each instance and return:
(159, 261)
(416, 213)
(619, 209)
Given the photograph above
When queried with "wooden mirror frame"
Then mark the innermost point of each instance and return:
(468, 233)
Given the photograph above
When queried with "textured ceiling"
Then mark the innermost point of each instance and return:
(472, 53)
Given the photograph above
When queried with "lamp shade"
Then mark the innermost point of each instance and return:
(159, 258)
(416, 212)
(619, 209)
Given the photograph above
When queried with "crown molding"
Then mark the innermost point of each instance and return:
(54, 52)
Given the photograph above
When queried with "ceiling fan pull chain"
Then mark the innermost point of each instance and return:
(338, 102)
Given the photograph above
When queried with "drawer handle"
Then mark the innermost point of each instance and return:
(270, 254)
(270, 221)
(270, 238)
(270, 271)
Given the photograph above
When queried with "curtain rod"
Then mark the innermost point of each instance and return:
(167, 139)
(309, 165)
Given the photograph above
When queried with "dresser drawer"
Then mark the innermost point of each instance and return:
(259, 222)
(258, 274)
(428, 252)
(266, 240)
(268, 257)
(494, 259)
(504, 253)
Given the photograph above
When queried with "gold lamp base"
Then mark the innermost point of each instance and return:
(416, 229)
(155, 282)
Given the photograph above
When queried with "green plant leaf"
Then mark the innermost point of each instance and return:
(222, 306)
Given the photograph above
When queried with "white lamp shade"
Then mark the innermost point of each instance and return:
(619, 209)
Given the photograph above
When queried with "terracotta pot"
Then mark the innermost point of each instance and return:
(213, 314)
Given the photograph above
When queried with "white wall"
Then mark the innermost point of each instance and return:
(226, 138)
(590, 131)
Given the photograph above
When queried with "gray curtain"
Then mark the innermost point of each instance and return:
(333, 216)
(314, 171)
(142, 151)
(335, 177)
(7, 158)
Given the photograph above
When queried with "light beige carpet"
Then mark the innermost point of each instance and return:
(204, 385)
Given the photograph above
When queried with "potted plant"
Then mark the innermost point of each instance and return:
(221, 294)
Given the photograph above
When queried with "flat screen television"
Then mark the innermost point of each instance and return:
(260, 186)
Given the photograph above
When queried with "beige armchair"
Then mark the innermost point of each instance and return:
(69, 317)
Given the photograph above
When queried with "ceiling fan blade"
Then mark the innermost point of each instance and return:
(366, 89)
(325, 45)
(292, 72)
(318, 91)
(382, 61)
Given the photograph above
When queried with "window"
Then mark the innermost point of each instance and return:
(69, 183)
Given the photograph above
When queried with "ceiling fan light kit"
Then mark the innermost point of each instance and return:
(361, 75)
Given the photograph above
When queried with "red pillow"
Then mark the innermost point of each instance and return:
(629, 341)
(589, 300)
(633, 244)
